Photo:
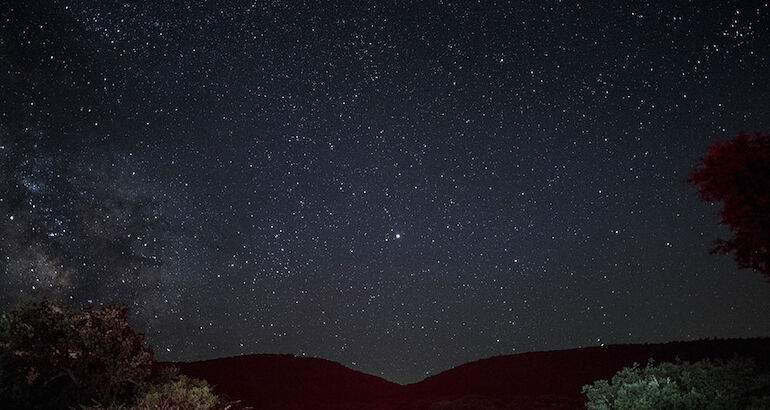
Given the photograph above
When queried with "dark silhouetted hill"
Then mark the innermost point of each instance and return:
(537, 380)
(269, 381)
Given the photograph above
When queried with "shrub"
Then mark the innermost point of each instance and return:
(177, 393)
(706, 384)
(183, 393)
(53, 357)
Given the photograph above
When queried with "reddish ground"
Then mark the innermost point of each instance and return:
(538, 380)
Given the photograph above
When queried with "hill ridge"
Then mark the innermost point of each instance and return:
(530, 380)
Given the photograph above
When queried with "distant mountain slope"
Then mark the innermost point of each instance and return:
(562, 373)
(270, 381)
(536, 380)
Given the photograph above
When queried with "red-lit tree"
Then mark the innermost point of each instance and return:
(737, 173)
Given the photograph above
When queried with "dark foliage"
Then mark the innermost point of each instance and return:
(737, 173)
(54, 357)
(702, 385)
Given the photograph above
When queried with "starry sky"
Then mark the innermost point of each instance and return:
(398, 186)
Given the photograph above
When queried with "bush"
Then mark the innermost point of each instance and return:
(177, 393)
(53, 357)
(183, 393)
(706, 384)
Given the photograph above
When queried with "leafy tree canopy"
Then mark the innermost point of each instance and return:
(703, 385)
(737, 173)
(52, 356)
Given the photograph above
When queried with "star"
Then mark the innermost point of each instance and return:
(278, 166)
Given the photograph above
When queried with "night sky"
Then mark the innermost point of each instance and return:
(397, 186)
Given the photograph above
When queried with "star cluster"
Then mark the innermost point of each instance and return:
(399, 187)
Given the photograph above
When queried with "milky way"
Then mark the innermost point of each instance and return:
(401, 188)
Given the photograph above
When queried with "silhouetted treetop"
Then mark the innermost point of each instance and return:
(737, 173)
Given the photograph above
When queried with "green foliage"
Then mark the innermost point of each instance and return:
(182, 393)
(56, 357)
(53, 357)
(177, 393)
(702, 385)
